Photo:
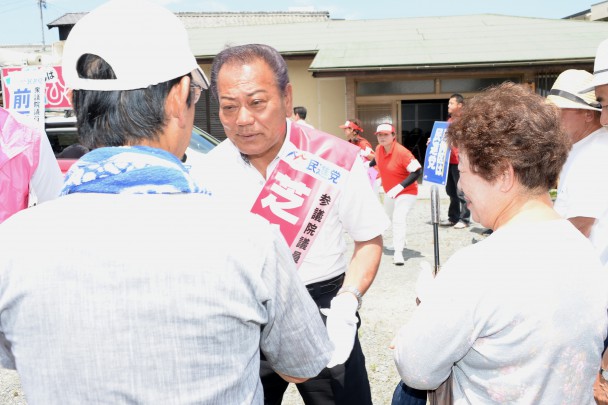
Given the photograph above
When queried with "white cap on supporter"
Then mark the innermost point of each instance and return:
(566, 91)
(600, 67)
(385, 128)
(144, 43)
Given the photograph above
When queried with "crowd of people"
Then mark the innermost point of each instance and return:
(226, 282)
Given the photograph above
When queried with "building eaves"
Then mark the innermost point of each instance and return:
(66, 19)
(577, 15)
(218, 19)
(419, 43)
(227, 19)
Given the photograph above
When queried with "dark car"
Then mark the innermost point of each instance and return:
(62, 134)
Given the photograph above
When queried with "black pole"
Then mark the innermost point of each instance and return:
(435, 221)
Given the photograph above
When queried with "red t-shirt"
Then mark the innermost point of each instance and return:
(453, 152)
(454, 156)
(393, 167)
(363, 144)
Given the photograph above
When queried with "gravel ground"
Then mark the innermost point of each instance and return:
(386, 306)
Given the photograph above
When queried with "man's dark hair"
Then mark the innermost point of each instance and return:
(458, 97)
(301, 111)
(120, 117)
(246, 54)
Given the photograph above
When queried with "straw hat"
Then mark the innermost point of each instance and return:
(600, 67)
(566, 91)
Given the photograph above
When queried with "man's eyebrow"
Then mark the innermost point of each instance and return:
(251, 94)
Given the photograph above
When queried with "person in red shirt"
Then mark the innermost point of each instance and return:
(399, 170)
(352, 131)
(459, 215)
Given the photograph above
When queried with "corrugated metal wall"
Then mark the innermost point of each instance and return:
(207, 116)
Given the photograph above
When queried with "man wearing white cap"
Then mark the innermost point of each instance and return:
(582, 196)
(139, 297)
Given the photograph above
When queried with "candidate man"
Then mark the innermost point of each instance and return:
(314, 186)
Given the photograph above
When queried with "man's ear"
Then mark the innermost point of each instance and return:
(176, 103)
(589, 115)
(288, 100)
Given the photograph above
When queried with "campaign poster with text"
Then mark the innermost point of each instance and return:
(436, 161)
(30, 90)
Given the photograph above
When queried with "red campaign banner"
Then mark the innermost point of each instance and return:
(55, 90)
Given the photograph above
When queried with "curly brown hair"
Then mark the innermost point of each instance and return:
(509, 124)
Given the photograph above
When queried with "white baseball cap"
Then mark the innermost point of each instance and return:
(566, 91)
(144, 43)
(600, 67)
(385, 128)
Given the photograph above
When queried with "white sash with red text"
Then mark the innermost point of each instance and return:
(303, 187)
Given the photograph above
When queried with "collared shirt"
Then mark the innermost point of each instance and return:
(582, 190)
(357, 210)
(151, 299)
(395, 166)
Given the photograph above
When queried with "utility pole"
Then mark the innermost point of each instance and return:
(41, 4)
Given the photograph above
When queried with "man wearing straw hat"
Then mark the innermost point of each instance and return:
(581, 198)
(599, 84)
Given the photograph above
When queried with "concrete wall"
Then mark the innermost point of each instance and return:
(324, 98)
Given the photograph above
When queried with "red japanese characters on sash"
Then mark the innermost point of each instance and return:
(302, 189)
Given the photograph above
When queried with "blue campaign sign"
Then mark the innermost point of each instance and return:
(436, 161)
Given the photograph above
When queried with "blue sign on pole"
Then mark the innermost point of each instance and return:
(436, 161)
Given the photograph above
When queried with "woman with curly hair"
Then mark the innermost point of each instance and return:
(519, 317)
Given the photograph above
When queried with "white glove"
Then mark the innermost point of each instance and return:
(425, 279)
(392, 193)
(341, 326)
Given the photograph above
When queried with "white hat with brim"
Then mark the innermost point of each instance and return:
(565, 92)
(385, 129)
(600, 67)
(144, 44)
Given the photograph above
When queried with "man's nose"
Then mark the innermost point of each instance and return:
(244, 117)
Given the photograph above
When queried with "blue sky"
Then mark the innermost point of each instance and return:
(20, 19)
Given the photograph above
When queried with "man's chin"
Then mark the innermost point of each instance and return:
(249, 149)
